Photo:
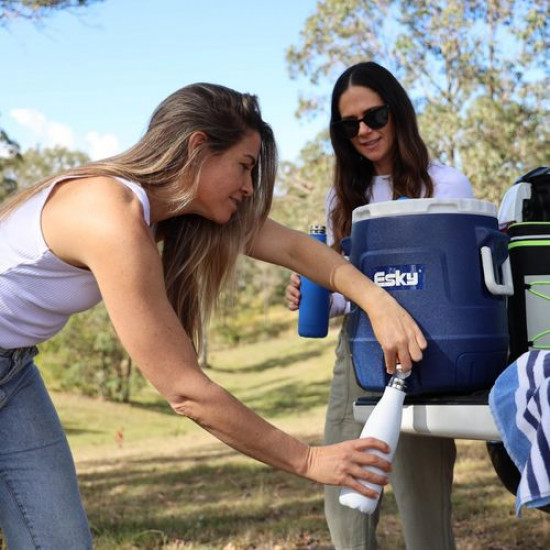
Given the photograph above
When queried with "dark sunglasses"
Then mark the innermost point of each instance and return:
(374, 118)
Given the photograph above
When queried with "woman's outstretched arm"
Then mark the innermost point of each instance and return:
(396, 331)
(104, 231)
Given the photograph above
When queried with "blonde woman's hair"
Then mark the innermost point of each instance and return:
(198, 255)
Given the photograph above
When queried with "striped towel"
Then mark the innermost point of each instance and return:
(520, 404)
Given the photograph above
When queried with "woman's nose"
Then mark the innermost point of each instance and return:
(248, 188)
(363, 128)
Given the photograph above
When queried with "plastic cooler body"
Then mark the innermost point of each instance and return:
(430, 263)
(529, 307)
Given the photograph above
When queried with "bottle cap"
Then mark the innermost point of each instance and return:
(397, 383)
(317, 229)
(400, 373)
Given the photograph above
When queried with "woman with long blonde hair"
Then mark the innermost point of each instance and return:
(200, 182)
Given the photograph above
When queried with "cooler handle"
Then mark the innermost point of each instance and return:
(504, 289)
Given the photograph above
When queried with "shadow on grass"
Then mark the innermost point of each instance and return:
(484, 516)
(278, 362)
(212, 503)
(206, 497)
(159, 406)
(77, 431)
(211, 453)
(291, 398)
(295, 397)
(210, 500)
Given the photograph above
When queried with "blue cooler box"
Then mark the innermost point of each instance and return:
(446, 263)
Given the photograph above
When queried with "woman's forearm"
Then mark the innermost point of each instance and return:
(230, 421)
(395, 330)
(220, 413)
(318, 262)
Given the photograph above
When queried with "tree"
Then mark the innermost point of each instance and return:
(36, 10)
(38, 163)
(476, 69)
(90, 359)
(304, 186)
(10, 158)
(19, 170)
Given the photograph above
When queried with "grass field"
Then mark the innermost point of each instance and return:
(151, 480)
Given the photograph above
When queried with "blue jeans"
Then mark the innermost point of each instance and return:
(40, 504)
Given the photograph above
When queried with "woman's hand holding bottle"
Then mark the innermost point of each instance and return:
(292, 292)
(344, 464)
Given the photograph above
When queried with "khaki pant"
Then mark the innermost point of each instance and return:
(421, 478)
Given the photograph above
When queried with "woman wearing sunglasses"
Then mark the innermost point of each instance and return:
(380, 156)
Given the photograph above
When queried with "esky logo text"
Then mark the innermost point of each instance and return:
(405, 277)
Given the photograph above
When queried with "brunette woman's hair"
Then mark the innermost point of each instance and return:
(353, 173)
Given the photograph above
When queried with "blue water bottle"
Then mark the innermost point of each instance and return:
(315, 299)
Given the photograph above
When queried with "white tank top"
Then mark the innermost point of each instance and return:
(38, 290)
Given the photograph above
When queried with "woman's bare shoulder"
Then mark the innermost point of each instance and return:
(97, 197)
(86, 213)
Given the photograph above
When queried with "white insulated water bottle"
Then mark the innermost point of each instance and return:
(384, 423)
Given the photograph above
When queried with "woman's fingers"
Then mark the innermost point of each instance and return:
(420, 339)
(295, 280)
(292, 295)
(370, 444)
(351, 464)
(415, 351)
(292, 292)
(398, 354)
(401, 339)
(390, 359)
(362, 490)
(370, 467)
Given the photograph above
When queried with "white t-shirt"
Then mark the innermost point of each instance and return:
(448, 183)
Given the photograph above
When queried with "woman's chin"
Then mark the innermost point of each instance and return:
(222, 219)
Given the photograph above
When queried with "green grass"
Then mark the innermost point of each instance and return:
(287, 378)
(171, 486)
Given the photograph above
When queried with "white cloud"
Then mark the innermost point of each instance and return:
(101, 146)
(47, 133)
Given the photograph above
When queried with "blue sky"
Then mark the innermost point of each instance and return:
(91, 79)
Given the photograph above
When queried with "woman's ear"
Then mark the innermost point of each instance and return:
(195, 140)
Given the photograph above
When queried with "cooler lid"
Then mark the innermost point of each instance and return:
(409, 207)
